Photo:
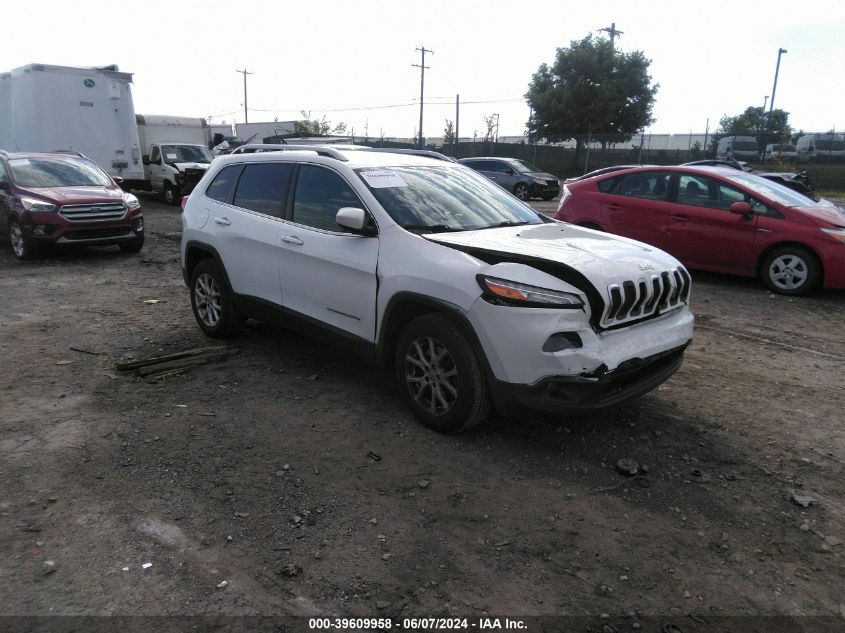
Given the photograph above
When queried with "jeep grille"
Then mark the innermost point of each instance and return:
(637, 299)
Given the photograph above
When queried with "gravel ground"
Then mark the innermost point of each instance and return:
(252, 486)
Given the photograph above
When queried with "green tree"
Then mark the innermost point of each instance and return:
(449, 133)
(316, 127)
(591, 88)
(754, 121)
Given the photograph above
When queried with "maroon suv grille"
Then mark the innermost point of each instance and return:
(92, 212)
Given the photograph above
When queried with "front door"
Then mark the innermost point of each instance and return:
(703, 233)
(327, 275)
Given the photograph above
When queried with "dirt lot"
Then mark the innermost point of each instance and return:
(258, 470)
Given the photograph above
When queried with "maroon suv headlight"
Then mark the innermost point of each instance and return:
(36, 204)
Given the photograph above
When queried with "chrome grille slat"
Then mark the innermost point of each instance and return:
(644, 297)
(92, 212)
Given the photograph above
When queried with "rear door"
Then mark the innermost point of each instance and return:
(637, 207)
(327, 274)
(703, 233)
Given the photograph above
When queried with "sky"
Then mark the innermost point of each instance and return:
(352, 61)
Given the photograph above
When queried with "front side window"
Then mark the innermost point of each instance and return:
(221, 186)
(701, 191)
(41, 173)
(155, 155)
(319, 195)
(444, 199)
(262, 187)
(651, 185)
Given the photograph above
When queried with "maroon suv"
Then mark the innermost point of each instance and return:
(64, 199)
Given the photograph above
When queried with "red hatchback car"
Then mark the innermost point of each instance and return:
(720, 220)
(64, 199)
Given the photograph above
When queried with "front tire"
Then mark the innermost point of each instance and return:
(172, 195)
(133, 246)
(21, 246)
(521, 191)
(440, 376)
(212, 303)
(791, 270)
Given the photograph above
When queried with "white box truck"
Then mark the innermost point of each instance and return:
(87, 110)
(738, 148)
(174, 152)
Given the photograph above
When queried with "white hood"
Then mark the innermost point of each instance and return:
(184, 166)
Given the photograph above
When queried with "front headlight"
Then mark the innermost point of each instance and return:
(34, 204)
(517, 294)
(131, 201)
(837, 234)
(539, 181)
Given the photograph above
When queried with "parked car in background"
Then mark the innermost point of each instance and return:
(779, 150)
(813, 147)
(741, 165)
(520, 177)
(468, 295)
(721, 220)
(63, 199)
(738, 147)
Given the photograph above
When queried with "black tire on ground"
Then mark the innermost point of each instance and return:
(21, 246)
(172, 195)
(521, 191)
(212, 303)
(791, 270)
(440, 376)
(133, 246)
(548, 196)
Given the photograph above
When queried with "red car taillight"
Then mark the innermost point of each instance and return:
(184, 202)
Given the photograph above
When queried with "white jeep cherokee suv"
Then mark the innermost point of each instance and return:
(429, 269)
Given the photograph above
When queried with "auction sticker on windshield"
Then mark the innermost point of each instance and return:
(383, 178)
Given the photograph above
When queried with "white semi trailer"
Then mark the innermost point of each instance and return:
(87, 110)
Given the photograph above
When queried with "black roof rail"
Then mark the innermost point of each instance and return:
(320, 150)
(427, 153)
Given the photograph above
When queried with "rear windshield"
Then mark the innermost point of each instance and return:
(444, 198)
(41, 173)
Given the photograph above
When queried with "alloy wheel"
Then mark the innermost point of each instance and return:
(16, 238)
(431, 375)
(207, 300)
(788, 272)
(521, 192)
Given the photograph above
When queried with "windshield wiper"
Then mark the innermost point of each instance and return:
(505, 223)
(431, 228)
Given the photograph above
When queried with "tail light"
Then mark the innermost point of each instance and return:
(184, 202)
(564, 196)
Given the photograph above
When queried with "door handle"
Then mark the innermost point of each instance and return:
(222, 221)
(679, 218)
(492, 177)
(292, 239)
(613, 207)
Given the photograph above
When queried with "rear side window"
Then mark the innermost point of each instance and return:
(607, 185)
(263, 187)
(320, 194)
(221, 186)
(650, 185)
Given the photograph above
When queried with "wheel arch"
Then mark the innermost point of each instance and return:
(195, 252)
(404, 307)
(771, 247)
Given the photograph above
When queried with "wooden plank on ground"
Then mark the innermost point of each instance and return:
(198, 351)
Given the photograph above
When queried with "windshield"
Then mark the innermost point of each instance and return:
(524, 167)
(186, 154)
(444, 199)
(771, 190)
(41, 173)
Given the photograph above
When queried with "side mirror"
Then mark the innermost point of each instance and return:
(509, 171)
(740, 208)
(352, 219)
(145, 159)
(118, 180)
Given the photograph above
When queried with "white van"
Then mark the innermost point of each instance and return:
(812, 147)
(737, 147)
(779, 150)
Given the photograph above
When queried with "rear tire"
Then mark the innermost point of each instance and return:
(212, 303)
(792, 271)
(440, 376)
(548, 196)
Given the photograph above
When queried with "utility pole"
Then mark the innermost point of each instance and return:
(244, 72)
(611, 30)
(457, 122)
(781, 51)
(496, 138)
(423, 50)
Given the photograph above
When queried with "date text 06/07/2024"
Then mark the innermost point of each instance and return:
(416, 624)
